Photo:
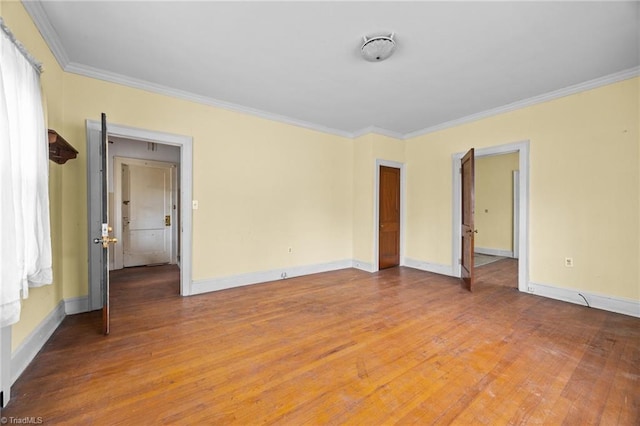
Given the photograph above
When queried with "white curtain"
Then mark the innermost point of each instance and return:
(25, 241)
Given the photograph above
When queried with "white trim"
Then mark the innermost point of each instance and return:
(560, 93)
(181, 94)
(29, 348)
(222, 283)
(76, 305)
(376, 207)
(377, 130)
(41, 20)
(363, 266)
(186, 185)
(516, 213)
(523, 248)
(436, 268)
(599, 301)
(124, 80)
(493, 251)
(5, 365)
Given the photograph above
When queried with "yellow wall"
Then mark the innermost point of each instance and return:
(368, 149)
(265, 186)
(584, 187)
(43, 300)
(262, 186)
(494, 201)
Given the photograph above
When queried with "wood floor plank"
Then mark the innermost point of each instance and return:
(400, 346)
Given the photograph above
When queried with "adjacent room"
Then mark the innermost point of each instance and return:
(320, 212)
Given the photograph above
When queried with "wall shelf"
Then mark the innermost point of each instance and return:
(59, 149)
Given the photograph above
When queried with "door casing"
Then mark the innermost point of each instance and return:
(185, 143)
(376, 209)
(117, 208)
(522, 148)
(5, 365)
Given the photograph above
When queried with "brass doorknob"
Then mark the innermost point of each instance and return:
(105, 241)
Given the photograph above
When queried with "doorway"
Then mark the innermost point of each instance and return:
(389, 218)
(389, 247)
(522, 200)
(145, 208)
(496, 212)
(184, 144)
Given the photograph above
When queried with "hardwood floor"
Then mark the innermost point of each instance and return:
(346, 347)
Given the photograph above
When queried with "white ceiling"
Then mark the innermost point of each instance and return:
(299, 62)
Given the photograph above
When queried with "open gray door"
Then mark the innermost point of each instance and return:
(468, 209)
(99, 229)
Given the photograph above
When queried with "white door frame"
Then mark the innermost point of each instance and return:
(118, 249)
(516, 214)
(522, 148)
(185, 143)
(5, 364)
(376, 209)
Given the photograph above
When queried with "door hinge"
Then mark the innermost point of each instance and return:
(459, 261)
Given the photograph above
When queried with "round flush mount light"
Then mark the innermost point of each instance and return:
(378, 48)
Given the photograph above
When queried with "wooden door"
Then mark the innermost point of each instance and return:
(389, 218)
(467, 231)
(146, 213)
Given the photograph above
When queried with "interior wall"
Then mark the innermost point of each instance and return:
(43, 300)
(367, 149)
(494, 202)
(584, 187)
(263, 187)
(142, 150)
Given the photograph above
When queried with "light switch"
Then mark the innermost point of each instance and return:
(195, 204)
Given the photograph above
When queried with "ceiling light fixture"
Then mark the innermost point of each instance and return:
(378, 48)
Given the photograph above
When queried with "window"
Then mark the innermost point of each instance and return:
(25, 246)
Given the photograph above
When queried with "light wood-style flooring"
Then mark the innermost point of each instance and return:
(400, 346)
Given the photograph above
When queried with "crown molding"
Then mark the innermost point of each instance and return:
(378, 131)
(111, 77)
(41, 20)
(569, 90)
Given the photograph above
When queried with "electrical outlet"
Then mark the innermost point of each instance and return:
(568, 262)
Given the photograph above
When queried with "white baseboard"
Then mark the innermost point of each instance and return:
(76, 305)
(363, 266)
(215, 284)
(493, 252)
(436, 268)
(599, 301)
(5, 366)
(29, 348)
